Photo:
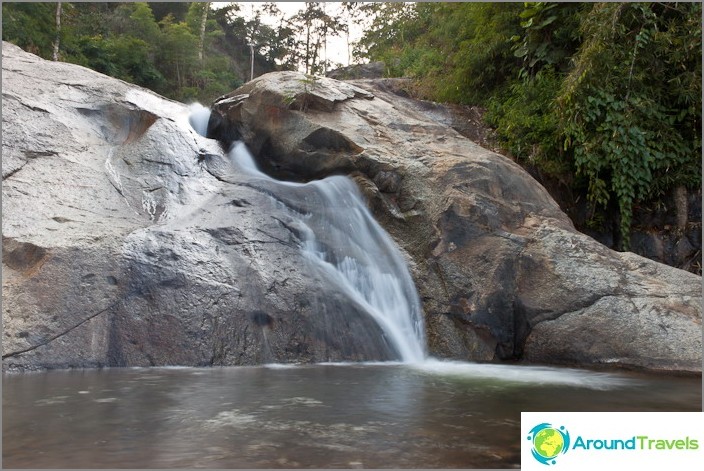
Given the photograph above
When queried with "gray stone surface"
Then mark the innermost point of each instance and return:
(372, 70)
(501, 270)
(128, 239)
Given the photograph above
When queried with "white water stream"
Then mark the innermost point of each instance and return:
(343, 240)
(341, 237)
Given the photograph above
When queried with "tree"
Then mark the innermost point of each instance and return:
(142, 23)
(57, 41)
(179, 50)
(316, 26)
(197, 21)
(182, 59)
(277, 47)
(306, 17)
(550, 37)
(177, 10)
(460, 52)
(524, 113)
(203, 21)
(387, 26)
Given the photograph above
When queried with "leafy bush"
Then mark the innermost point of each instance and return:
(631, 107)
(30, 26)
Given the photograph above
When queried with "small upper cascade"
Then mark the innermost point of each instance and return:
(198, 118)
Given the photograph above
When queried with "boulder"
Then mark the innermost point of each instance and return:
(372, 70)
(501, 271)
(130, 240)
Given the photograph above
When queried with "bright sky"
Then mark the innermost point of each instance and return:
(337, 47)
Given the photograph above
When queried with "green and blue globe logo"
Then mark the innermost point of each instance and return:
(548, 442)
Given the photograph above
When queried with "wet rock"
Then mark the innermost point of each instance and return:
(501, 271)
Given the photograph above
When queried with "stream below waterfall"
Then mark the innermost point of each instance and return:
(431, 415)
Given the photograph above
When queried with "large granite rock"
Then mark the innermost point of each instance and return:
(129, 240)
(501, 270)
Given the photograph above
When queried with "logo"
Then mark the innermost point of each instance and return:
(611, 440)
(548, 442)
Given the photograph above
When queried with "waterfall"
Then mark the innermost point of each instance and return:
(341, 238)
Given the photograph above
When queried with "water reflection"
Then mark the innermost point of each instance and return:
(322, 416)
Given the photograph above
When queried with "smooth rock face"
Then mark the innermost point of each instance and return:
(130, 240)
(501, 271)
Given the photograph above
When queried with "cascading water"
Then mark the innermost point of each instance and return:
(198, 118)
(341, 239)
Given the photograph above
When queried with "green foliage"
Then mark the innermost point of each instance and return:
(178, 52)
(394, 26)
(215, 78)
(550, 36)
(484, 62)
(193, 15)
(631, 108)
(527, 125)
(94, 52)
(30, 26)
(131, 60)
(184, 51)
(142, 24)
(177, 10)
(461, 51)
(125, 41)
(524, 112)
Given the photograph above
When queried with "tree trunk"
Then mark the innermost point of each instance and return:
(315, 59)
(58, 32)
(203, 20)
(308, 26)
(325, 42)
(681, 206)
(178, 76)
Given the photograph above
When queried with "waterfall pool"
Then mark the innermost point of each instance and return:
(365, 415)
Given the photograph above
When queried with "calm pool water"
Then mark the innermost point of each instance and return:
(436, 415)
